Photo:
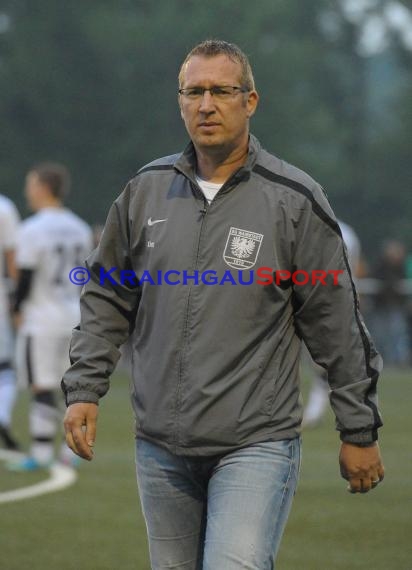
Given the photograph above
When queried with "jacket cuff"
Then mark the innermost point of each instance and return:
(81, 396)
(361, 438)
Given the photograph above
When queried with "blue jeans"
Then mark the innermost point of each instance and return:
(223, 512)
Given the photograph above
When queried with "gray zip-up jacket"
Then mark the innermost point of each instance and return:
(216, 366)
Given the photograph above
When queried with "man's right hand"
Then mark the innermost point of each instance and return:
(80, 427)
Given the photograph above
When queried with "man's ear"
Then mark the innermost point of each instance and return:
(251, 103)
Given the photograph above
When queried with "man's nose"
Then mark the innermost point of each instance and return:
(207, 104)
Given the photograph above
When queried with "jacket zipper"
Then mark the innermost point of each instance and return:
(203, 213)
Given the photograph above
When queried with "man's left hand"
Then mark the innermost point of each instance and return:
(361, 466)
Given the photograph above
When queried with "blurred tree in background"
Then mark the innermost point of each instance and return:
(94, 85)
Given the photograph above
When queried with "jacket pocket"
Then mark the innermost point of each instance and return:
(281, 374)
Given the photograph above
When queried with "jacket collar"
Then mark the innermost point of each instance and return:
(186, 162)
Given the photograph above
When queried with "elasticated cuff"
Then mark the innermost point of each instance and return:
(81, 396)
(360, 438)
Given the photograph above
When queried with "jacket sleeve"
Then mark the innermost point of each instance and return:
(327, 317)
(108, 304)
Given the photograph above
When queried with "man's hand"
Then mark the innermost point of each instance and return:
(361, 466)
(80, 427)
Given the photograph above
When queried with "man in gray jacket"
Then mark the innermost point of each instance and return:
(218, 261)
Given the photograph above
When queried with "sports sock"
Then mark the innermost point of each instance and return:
(8, 392)
(44, 416)
(67, 456)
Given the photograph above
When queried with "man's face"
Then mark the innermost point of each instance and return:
(34, 191)
(215, 124)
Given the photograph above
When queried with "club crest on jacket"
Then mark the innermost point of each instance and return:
(242, 248)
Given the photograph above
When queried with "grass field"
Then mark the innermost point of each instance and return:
(97, 525)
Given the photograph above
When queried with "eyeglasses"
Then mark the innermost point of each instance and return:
(220, 92)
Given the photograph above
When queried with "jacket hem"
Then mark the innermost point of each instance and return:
(206, 450)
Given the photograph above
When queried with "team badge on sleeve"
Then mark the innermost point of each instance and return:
(242, 248)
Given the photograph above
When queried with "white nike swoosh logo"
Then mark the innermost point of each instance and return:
(151, 222)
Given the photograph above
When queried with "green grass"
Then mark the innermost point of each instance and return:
(97, 523)
(330, 529)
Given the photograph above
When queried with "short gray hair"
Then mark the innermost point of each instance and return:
(212, 48)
